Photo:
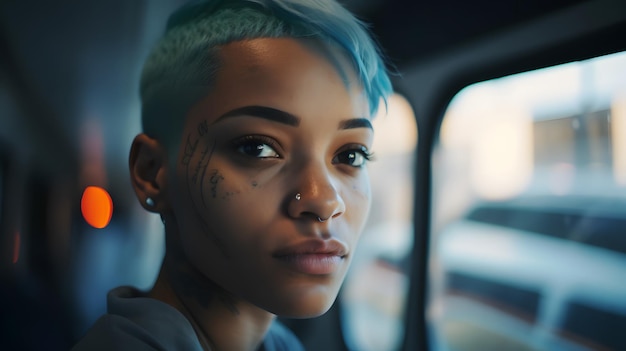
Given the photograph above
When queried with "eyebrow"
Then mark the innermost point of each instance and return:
(264, 112)
(356, 123)
(287, 118)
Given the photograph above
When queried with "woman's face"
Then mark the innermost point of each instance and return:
(279, 141)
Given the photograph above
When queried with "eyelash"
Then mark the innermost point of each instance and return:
(250, 140)
(360, 149)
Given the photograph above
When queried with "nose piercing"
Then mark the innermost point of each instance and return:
(319, 219)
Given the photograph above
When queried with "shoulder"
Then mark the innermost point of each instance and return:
(135, 322)
(112, 332)
(280, 338)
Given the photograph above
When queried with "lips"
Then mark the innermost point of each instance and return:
(314, 257)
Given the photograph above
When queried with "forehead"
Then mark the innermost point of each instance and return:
(284, 71)
(281, 52)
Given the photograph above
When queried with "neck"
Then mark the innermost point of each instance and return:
(220, 321)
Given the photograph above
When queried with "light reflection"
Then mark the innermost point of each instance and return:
(503, 155)
(96, 206)
(395, 130)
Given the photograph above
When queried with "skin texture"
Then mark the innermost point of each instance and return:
(229, 199)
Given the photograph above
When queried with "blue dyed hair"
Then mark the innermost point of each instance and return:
(181, 68)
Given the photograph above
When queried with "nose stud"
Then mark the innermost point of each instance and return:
(319, 219)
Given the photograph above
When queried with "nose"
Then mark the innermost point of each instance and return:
(316, 195)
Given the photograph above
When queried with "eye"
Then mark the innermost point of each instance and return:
(257, 146)
(354, 157)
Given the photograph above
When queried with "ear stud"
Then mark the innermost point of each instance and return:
(150, 202)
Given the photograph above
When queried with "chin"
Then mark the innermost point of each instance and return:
(303, 312)
(308, 304)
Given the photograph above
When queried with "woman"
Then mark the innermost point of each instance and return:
(256, 133)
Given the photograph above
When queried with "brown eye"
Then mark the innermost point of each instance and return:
(256, 147)
(356, 157)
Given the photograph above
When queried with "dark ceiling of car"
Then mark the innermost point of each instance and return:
(411, 30)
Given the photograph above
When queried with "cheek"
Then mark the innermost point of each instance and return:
(229, 201)
(216, 195)
(213, 220)
(362, 189)
(360, 201)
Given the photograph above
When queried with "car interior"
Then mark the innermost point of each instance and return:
(499, 184)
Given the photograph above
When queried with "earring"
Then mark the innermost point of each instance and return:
(150, 202)
(298, 197)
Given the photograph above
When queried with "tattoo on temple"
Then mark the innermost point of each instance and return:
(204, 168)
(205, 157)
(206, 229)
(190, 148)
(203, 128)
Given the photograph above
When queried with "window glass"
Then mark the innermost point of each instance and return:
(373, 296)
(528, 240)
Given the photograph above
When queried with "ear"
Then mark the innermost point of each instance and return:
(148, 172)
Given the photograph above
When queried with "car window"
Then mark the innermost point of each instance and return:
(529, 210)
(374, 294)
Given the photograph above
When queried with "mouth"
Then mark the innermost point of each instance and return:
(314, 257)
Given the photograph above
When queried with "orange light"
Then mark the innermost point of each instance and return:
(96, 206)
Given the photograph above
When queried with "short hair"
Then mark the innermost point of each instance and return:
(181, 68)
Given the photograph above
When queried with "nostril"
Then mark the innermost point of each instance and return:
(317, 218)
(310, 215)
